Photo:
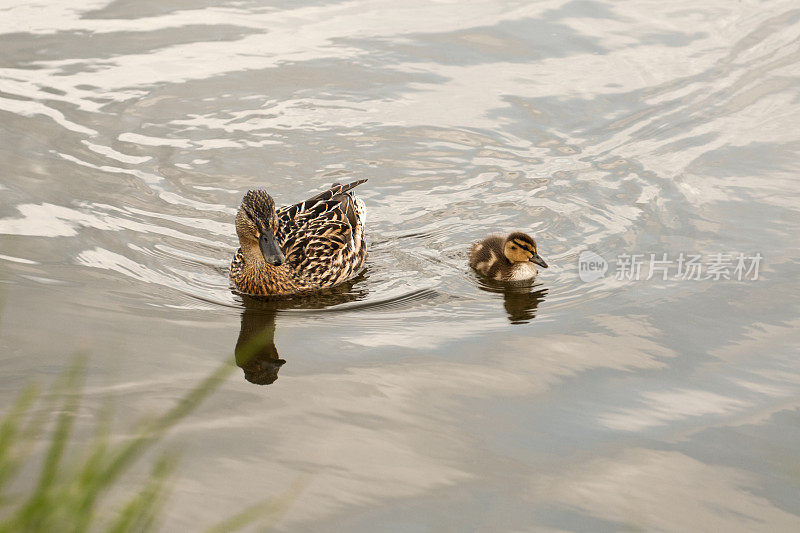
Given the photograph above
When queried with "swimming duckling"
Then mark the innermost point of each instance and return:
(506, 259)
(305, 247)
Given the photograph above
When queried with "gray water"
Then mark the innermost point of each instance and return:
(420, 398)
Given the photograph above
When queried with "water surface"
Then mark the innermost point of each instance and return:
(420, 397)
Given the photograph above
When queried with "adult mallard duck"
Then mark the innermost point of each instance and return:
(509, 258)
(308, 246)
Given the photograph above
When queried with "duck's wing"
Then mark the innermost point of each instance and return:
(326, 253)
(326, 229)
(333, 190)
(335, 203)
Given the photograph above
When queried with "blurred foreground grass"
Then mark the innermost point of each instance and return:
(73, 480)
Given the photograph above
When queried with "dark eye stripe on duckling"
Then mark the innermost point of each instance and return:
(525, 246)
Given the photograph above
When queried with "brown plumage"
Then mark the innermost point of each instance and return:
(305, 247)
(509, 258)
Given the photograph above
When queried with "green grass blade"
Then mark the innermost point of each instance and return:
(39, 509)
(140, 512)
(67, 491)
(272, 509)
(153, 431)
(10, 437)
(88, 477)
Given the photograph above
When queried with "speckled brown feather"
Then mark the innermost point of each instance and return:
(487, 257)
(322, 238)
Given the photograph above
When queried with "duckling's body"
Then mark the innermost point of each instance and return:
(308, 246)
(512, 258)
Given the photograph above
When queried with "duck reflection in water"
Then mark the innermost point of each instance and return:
(255, 351)
(520, 298)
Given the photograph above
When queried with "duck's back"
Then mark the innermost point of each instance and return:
(323, 237)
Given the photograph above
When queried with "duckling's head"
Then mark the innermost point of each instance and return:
(256, 224)
(520, 248)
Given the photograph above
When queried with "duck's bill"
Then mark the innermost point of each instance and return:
(270, 248)
(537, 259)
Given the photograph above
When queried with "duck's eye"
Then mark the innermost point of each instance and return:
(513, 247)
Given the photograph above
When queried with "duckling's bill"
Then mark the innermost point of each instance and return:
(537, 259)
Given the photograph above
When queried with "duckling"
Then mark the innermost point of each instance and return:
(506, 259)
(305, 247)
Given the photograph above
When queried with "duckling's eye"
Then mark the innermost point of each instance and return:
(513, 247)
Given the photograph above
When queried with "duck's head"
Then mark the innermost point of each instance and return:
(520, 248)
(256, 224)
